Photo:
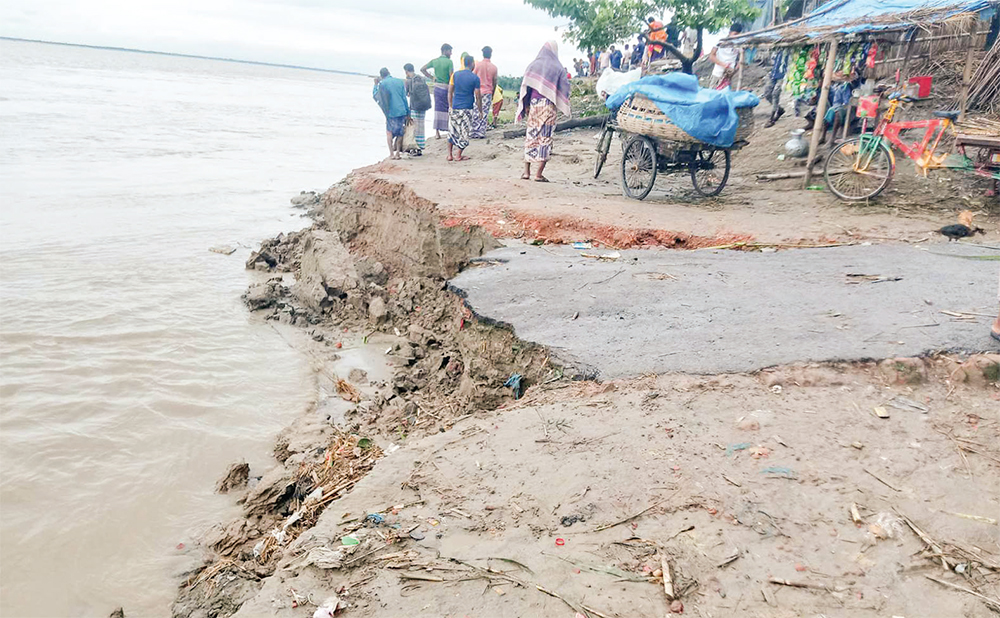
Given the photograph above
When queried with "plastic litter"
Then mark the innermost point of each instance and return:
(349, 540)
(780, 471)
(375, 518)
(328, 608)
(902, 403)
(885, 525)
(759, 452)
(732, 448)
(514, 383)
(560, 542)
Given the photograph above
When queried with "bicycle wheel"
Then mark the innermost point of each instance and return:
(639, 167)
(710, 171)
(857, 171)
(603, 146)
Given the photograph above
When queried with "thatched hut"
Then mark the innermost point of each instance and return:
(954, 40)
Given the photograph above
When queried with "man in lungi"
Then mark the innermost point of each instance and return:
(390, 94)
(443, 68)
(464, 96)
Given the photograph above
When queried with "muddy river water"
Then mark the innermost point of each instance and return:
(131, 373)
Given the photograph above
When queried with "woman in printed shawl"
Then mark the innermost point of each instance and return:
(544, 92)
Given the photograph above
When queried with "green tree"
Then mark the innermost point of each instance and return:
(596, 24)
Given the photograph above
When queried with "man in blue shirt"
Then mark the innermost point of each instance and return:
(390, 93)
(636, 59)
(616, 59)
(463, 94)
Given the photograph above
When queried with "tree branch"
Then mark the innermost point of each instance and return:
(676, 52)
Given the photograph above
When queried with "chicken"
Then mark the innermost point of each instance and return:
(963, 228)
(954, 232)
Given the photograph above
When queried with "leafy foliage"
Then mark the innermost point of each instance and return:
(597, 24)
(508, 83)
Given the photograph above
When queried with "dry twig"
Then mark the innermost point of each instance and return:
(639, 514)
(993, 603)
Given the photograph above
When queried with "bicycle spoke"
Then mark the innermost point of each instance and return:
(858, 170)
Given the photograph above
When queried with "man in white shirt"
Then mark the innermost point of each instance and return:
(605, 61)
(688, 38)
(725, 59)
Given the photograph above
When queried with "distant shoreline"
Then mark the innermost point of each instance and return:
(160, 53)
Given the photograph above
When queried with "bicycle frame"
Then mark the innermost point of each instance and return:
(871, 155)
(922, 152)
(922, 156)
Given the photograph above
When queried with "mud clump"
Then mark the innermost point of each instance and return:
(219, 590)
(307, 199)
(387, 222)
(351, 274)
(263, 295)
(373, 262)
(281, 253)
(236, 478)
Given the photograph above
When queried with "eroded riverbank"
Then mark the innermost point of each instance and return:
(778, 492)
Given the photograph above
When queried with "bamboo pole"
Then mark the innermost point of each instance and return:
(963, 99)
(901, 82)
(739, 69)
(824, 94)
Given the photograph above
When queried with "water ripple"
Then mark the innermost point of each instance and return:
(130, 375)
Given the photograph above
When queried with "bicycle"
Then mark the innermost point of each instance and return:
(861, 168)
(604, 143)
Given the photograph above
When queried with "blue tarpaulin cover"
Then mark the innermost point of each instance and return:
(849, 16)
(707, 115)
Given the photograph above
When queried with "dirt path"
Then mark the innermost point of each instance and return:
(487, 191)
(736, 483)
(654, 311)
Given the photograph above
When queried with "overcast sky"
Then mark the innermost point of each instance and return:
(352, 35)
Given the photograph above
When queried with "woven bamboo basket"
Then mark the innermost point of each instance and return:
(642, 117)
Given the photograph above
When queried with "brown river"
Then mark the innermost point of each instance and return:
(130, 373)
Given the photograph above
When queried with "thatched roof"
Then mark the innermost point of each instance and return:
(841, 18)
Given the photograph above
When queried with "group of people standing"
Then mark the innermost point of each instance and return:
(602, 60)
(649, 47)
(462, 100)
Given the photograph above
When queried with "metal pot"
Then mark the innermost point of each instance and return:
(797, 146)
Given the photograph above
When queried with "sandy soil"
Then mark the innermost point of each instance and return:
(424, 488)
(736, 480)
(487, 191)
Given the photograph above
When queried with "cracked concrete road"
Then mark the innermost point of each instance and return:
(656, 311)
